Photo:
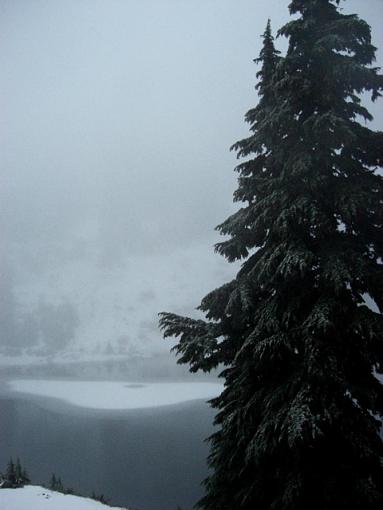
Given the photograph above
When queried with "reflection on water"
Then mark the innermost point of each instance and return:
(150, 459)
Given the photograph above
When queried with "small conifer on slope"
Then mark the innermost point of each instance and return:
(297, 422)
(15, 475)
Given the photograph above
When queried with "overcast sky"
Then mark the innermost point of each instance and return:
(116, 119)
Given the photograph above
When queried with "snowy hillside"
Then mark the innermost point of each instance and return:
(38, 498)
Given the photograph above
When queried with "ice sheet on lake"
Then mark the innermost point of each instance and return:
(118, 395)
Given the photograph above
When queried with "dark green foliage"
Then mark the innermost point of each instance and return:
(55, 484)
(298, 423)
(101, 498)
(15, 475)
(21, 474)
(10, 473)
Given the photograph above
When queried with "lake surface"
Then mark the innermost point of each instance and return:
(149, 459)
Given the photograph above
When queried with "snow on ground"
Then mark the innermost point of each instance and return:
(118, 395)
(37, 498)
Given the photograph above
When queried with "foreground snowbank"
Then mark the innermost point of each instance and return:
(118, 395)
(37, 498)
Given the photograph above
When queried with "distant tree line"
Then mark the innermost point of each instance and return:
(55, 484)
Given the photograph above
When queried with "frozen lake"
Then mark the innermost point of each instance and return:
(118, 395)
(138, 447)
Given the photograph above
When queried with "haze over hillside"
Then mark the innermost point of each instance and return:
(116, 123)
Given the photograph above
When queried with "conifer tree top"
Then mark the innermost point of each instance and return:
(299, 346)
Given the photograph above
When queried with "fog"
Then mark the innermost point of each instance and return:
(116, 121)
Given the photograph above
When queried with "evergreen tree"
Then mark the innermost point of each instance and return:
(55, 484)
(25, 477)
(100, 497)
(19, 472)
(297, 420)
(10, 474)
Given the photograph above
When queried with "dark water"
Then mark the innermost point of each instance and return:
(148, 459)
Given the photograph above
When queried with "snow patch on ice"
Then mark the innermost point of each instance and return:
(118, 395)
